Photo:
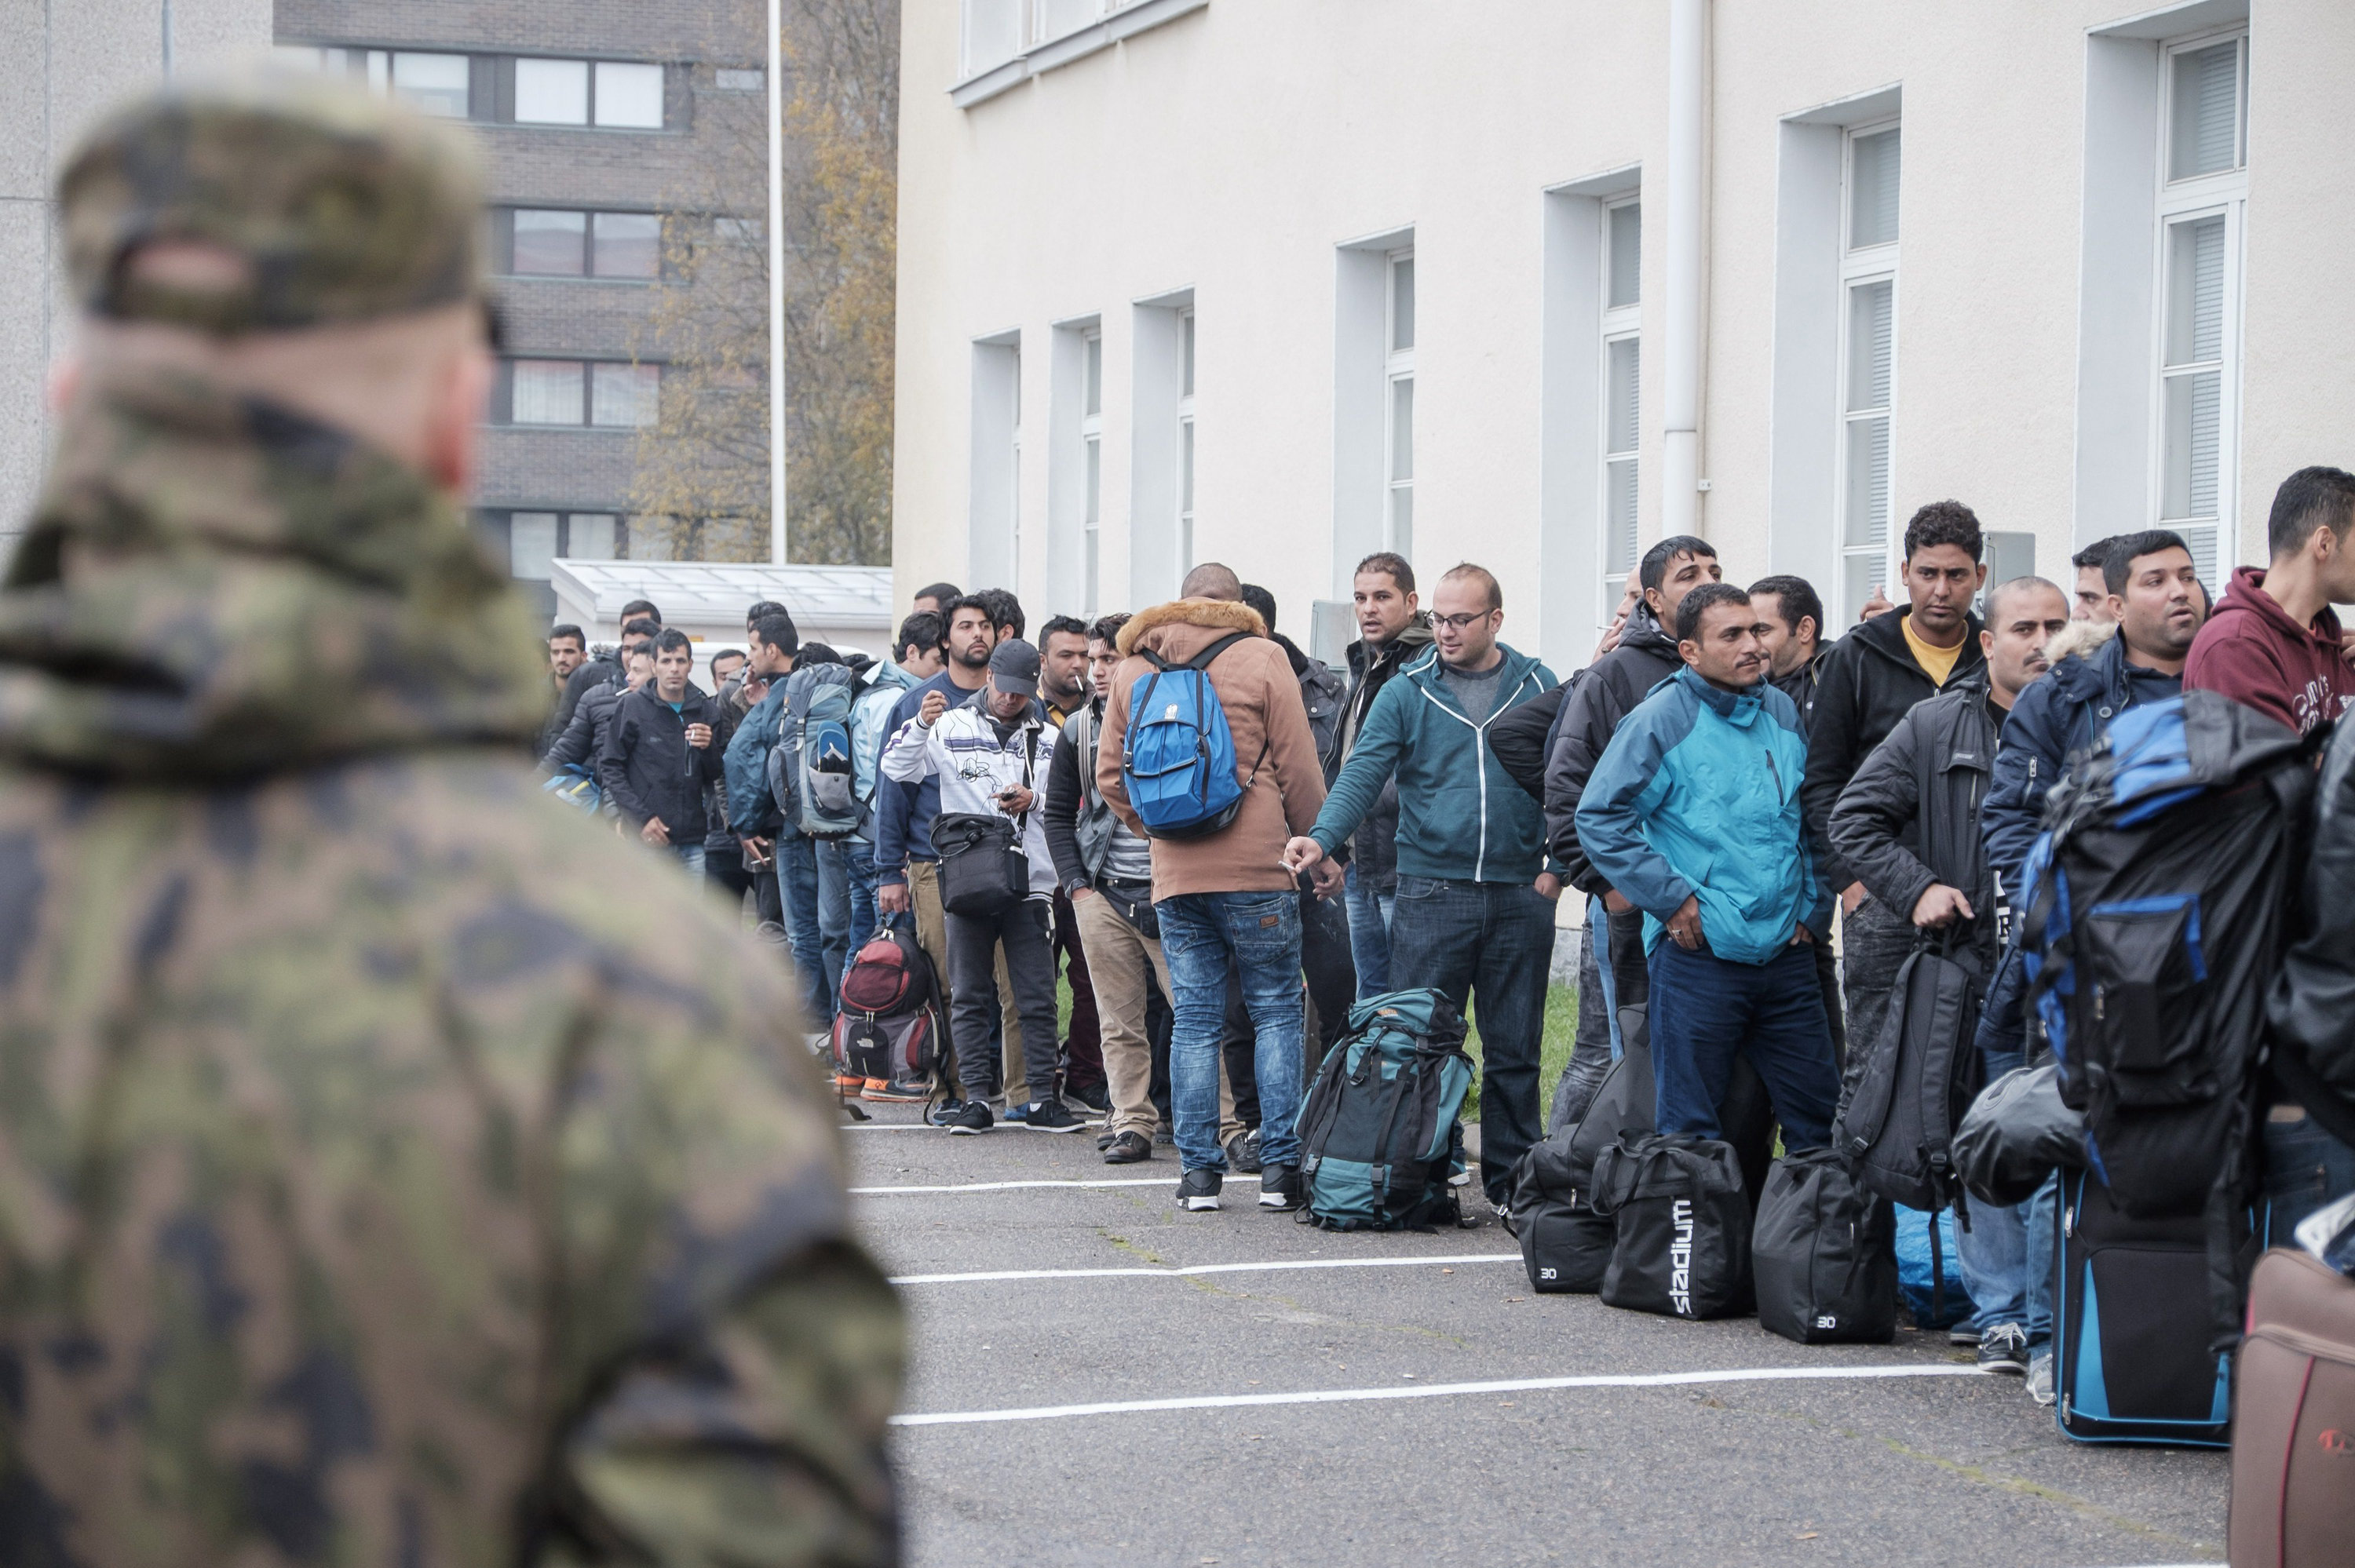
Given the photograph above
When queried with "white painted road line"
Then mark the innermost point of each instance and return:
(1009, 1186)
(1432, 1391)
(928, 1127)
(991, 1275)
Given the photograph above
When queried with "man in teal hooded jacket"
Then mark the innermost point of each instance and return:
(1474, 909)
(1693, 813)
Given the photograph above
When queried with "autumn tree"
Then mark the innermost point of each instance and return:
(703, 466)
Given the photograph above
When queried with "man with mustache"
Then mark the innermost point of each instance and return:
(1693, 815)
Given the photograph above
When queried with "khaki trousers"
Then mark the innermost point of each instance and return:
(1122, 963)
(933, 936)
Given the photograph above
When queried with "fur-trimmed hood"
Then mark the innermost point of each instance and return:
(2079, 638)
(1217, 616)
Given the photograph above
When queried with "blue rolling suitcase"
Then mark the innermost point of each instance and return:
(2132, 1326)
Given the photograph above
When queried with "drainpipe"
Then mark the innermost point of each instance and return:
(1681, 384)
(776, 283)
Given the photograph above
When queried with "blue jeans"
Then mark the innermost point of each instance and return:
(1486, 945)
(1260, 934)
(834, 915)
(2304, 1169)
(1369, 934)
(800, 883)
(1706, 1010)
(859, 867)
(691, 857)
(2007, 1255)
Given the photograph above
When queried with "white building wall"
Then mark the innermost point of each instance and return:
(1231, 150)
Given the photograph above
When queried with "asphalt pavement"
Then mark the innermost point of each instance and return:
(1302, 1397)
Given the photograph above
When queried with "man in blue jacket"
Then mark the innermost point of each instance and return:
(1475, 910)
(1693, 814)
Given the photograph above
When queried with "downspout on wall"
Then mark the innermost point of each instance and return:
(1680, 383)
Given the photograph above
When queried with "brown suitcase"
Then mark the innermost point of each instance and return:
(2293, 1417)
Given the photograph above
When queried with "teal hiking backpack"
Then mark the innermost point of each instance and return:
(810, 768)
(1381, 1142)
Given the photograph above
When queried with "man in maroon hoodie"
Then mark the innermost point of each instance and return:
(2274, 641)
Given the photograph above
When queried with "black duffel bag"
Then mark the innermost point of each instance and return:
(2017, 1133)
(1681, 1242)
(983, 868)
(1824, 1254)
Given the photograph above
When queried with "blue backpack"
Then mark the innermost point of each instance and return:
(811, 772)
(1381, 1137)
(1178, 757)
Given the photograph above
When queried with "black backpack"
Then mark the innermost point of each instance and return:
(1823, 1253)
(1565, 1245)
(1917, 1078)
(1682, 1246)
(2156, 913)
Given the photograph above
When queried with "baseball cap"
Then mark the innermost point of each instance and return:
(1014, 667)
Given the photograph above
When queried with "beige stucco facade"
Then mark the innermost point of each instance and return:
(1225, 157)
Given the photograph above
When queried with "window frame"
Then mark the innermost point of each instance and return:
(2224, 194)
(504, 405)
(1617, 324)
(1184, 489)
(1861, 266)
(590, 71)
(1398, 367)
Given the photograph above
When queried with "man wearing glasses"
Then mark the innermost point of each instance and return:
(1475, 911)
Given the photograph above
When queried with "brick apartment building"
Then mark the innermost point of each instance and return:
(598, 120)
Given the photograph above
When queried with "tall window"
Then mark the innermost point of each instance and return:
(1013, 471)
(2203, 196)
(1092, 443)
(1398, 368)
(1185, 444)
(1867, 361)
(1623, 382)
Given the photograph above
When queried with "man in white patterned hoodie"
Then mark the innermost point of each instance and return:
(990, 756)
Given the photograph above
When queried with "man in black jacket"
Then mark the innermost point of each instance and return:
(581, 739)
(658, 763)
(1870, 679)
(1791, 623)
(605, 669)
(1908, 827)
(1392, 631)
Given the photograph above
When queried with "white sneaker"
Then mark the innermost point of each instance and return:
(2040, 1377)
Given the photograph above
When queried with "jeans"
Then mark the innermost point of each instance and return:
(2304, 1169)
(1706, 1011)
(691, 857)
(1332, 977)
(1486, 945)
(835, 934)
(2007, 1255)
(1590, 1053)
(1369, 933)
(1874, 944)
(1201, 933)
(798, 884)
(858, 868)
(1027, 932)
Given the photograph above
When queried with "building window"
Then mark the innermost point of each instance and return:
(1868, 362)
(560, 392)
(611, 93)
(1623, 384)
(550, 244)
(1184, 443)
(535, 541)
(436, 84)
(1092, 442)
(2202, 200)
(994, 32)
(1398, 370)
(994, 517)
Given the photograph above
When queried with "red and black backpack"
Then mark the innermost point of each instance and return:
(887, 1037)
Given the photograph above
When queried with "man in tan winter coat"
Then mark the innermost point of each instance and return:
(1226, 898)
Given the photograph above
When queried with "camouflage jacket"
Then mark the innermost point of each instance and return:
(373, 1190)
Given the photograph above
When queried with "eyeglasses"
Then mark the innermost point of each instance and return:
(1463, 622)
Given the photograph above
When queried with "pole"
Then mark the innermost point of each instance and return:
(167, 39)
(1681, 466)
(776, 283)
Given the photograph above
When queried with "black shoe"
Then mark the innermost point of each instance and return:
(1241, 1157)
(1199, 1189)
(1281, 1188)
(1127, 1148)
(947, 1112)
(974, 1118)
(1049, 1115)
(1163, 1138)
(2004, 1349)
(1098, 1098)
(1103, 1140)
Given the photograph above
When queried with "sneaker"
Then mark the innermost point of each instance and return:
(848, 1085)
(2004, 1349)
(1014, 1113)
(1127, 1148)
(1048, 1116)
(1280, 1188)
(974, 1118)
(1096, 1099)
(1164, 1137)
(947, 1112)
(1241, 1157)
(896, 1094)
(2040, 1377)
(1965, 1333)
(1199, 1190)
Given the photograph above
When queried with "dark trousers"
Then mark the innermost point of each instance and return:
(1331, 970)
(1590, 1050)
(1028, 932)
(1083, 1066)
(724, 868)
(1707, 1011)
(1487, 945)
(768, 898)
(1874, 943)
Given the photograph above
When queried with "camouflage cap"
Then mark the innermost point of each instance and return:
(346, 205)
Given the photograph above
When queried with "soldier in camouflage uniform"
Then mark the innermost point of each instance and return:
(371, 1191)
